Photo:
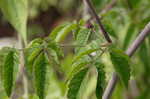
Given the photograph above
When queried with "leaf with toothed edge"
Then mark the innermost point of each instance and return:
(40, 65)
(121, 63)
(82, 38)
(75, 83)
(31, 52)
(11, 61)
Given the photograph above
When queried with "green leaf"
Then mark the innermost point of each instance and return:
(82, 38)
(100, 80)
(75, 83)
(62, 31)
(90, 80)
(109, 29)
(40, 74)
(55, 47)
(16, 13)
(80, 24)
(31, 53)
(56, 30)
(87, 52)
(121, 64)
(77, 66)
(11, 60)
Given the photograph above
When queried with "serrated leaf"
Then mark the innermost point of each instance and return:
(15, 11)
(75, 83)
(78, 66)
(90, 80)
(56, 30)
(121, 65)
(82, 38)
(61, 32)
(40, 74)
(31, 53)
(100, 80)
(10, 62)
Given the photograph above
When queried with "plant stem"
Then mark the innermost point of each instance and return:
(130, 51)
(94, 14)
(21, 78)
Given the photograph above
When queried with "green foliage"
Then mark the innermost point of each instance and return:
(15, 11)
(46, 62)
(89, 80)
(62, 31)
(31, 53)
(75, 83)
(55, 31)
(121, 64)
(100, 80)
(55, 50)
(10, 62)
(82, 38)
(40, 74)
(109, 29)
(86, 52)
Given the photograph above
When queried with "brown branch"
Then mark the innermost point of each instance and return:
(94, 14)
(130, 51)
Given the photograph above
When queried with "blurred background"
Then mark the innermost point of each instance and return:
(125, 17)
